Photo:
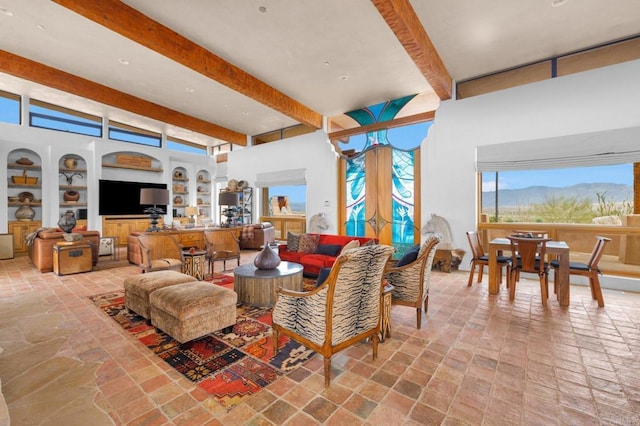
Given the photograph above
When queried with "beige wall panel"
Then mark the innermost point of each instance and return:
(504, 80)
(609, 55)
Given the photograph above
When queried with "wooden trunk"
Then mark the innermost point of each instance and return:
(72, 258)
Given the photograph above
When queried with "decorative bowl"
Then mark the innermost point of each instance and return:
(24, 161)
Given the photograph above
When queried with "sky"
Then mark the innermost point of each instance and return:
(622, 174)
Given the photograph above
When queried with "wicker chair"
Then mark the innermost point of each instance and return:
(411, 281)
(342, 311)
(160, 252)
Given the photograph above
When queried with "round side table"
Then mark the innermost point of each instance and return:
(258, 287)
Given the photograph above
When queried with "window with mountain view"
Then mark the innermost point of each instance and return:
(575, 195)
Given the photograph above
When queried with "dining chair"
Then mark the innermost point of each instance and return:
(528, 255)
(589, 269)
(481, 259)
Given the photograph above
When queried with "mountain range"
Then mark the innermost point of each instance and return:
(539, 194)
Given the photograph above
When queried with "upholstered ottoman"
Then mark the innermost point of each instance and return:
(137, 288)
(191, 310)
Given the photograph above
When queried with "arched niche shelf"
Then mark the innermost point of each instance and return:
(72, 186)
(24, 192)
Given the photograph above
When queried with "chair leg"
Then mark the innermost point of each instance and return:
(275, 336)
(480, 272)
(374, 343)
(426, 304)
(327, 371)
(472, 273)
(544, 288)
(512, 284)
(596, 290)
(419, 317)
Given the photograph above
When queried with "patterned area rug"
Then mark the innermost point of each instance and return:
(231, 366)
(221, 279)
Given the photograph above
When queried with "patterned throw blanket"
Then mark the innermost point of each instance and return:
(32, 236)
(247, 232)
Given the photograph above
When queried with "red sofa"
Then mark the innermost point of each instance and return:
(314, 262)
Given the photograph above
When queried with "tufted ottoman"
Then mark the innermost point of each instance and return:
(191, 310)
(137, 288)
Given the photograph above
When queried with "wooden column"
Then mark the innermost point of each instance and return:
(636, 188)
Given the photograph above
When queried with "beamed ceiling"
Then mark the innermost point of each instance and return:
(218, 71)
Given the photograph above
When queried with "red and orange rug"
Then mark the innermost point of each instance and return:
(229, 367)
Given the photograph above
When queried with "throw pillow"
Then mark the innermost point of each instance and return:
(293, 241)
(308, 243)
(409, 257)
(328, 249)
(351, 244)
(322, 276)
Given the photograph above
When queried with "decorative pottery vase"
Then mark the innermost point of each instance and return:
(177, 200)
(68, 221)
(25, 213)
(70, 163)
(267, 258)
(71, 196)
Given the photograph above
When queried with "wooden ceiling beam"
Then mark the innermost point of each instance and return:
(403, 21)
(132, 24)
(345, 134)
(52, 77)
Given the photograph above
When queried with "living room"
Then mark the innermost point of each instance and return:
(474, 352)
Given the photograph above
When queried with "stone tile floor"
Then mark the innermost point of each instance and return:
(477, 360)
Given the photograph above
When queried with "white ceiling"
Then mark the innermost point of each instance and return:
(333, 56)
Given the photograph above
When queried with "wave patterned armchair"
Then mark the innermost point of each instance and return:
(411, 281)
(340, 312)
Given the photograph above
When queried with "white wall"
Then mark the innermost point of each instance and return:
(597, 100)
(51, 146)
(312, 152)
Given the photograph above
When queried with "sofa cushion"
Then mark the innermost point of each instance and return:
(322, 276)
(293, 241)
(410, 256)
(351, 244)
(308, 243)
(328, 249)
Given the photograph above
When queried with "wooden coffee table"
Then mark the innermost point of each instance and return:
(258, 287)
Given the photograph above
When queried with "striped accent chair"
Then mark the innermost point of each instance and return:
(340, 312)
(411, 281)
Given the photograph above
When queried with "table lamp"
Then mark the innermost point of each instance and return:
(191, 213)
(155, 197)
(231, 200)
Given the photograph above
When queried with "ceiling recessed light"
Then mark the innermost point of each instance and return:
(343, 77)
(6, 11)
(40, 27)
(558, 3)
(245, 113)
(262, 9)
(190, 89)
(123, 61)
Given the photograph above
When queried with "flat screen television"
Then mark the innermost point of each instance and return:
(120, 197)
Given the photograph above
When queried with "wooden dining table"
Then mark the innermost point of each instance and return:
(559, 248)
